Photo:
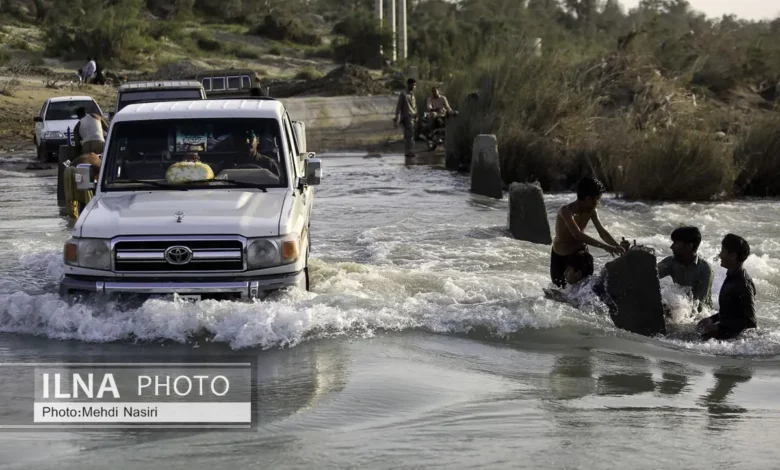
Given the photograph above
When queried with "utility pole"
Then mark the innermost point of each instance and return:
(380, 13)
(402, 36)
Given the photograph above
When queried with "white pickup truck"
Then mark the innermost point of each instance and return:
(203, 198)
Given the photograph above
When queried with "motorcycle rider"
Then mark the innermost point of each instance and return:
(437, 108)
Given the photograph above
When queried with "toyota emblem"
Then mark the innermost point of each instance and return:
(178, 255)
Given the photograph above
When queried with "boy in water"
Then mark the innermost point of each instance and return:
(570, 222)
(686, 267)
(737, 310)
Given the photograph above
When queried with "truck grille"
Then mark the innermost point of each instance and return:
(183, 255)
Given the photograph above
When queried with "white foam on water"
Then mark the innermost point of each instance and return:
(407, 259)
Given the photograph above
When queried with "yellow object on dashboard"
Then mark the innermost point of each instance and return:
(183, 172)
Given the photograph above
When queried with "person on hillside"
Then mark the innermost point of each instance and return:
(736, 302)
(88, 71)
(686, 268)
(406, 114)
(570, 223)
(90, 132)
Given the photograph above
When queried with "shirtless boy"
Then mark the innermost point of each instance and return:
(570, 223)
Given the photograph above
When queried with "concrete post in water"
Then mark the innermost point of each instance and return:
(451, 156)
(527, 218)
(402, 36)
(635, 293)
(485, 167)
(66, 153)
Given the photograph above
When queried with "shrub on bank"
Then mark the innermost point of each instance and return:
(757, 157)
(556, 122)
(283, 28)
(678, 164)
(114, 33)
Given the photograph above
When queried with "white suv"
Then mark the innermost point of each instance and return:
(56, 121)
(233, 225)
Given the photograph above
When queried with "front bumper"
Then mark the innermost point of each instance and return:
(52, 146)
(245, 289)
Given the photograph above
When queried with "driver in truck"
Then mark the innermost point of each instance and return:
(257, 157)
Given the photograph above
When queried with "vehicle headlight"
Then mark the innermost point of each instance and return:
(53, 135)
(269, 252)
(92, 253)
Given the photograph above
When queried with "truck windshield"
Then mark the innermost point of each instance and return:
(155, 96)
(238, 150)
(66, 110)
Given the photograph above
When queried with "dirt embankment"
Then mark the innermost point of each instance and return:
(21, 99)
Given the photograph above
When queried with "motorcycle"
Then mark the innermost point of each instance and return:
(434, 132)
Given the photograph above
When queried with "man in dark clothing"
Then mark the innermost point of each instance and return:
(256, 157)
(737, 310)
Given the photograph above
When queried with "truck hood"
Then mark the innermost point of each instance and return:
(202, 212)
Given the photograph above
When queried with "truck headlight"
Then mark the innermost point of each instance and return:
(53, 135)
(92, 253)
(270, 252)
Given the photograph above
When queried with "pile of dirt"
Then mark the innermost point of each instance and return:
(351, 80)
(347, 80)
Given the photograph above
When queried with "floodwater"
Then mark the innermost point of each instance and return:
(426, 341)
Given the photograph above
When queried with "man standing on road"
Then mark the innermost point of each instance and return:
(406, 113)
(89, 132)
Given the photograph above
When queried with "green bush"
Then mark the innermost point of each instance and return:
(319, 53)
(360, 39)
(308, 73)
(113, 33)
(243, 52)
(5, 56)
(284, 28)
(275, 50)
(205, 41)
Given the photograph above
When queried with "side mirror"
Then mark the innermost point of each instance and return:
(313, 171)
(83, 176)
(38, 119)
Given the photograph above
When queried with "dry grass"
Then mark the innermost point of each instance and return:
(10, 87)
(646, 136)
(757, 157)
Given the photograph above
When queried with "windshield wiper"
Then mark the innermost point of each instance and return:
(244, 184)
(153, 183)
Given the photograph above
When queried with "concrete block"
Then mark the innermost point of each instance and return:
(527, 218)
(485, 167)
(635, 291)
(451, 157)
